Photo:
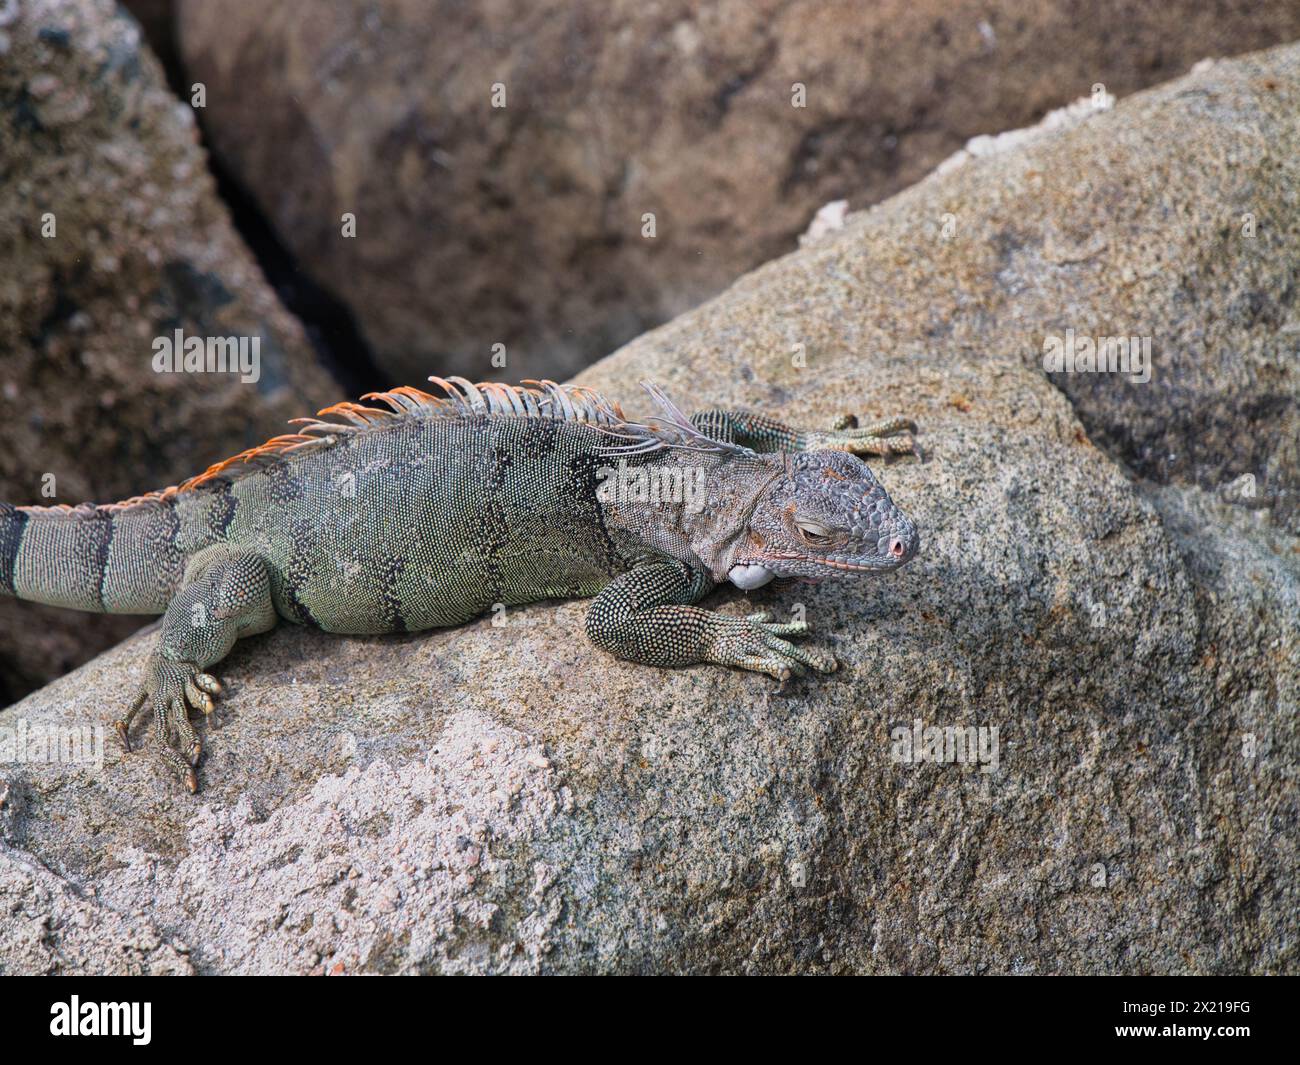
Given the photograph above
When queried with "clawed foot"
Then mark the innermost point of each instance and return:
(757, 643)
(892, 436)
(171, 688)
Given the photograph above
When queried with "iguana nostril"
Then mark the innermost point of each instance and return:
(896, 547)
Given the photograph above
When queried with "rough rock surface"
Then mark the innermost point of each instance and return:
(51, 927)
(1222, 406)
(523, 226)
(140, 246)
(507, 798)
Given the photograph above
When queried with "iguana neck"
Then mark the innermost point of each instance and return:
(690, 505)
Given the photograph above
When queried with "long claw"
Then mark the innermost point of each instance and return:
(200, 700)
(208, 683)
(172, 687)
(123, 724)
(179, 767)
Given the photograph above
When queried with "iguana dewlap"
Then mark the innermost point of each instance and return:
(432, 509)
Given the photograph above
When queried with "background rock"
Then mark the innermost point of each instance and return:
(1222, 407)
(523, 226)
(90, 135)
(157, 19)
(491, 799)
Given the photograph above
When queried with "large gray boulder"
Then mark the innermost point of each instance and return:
(509, 799)
(525, 226)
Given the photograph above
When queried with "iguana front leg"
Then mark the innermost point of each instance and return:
(892, 436)
(645, 615)
(226, 595)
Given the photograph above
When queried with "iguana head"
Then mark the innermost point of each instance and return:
(826, 516)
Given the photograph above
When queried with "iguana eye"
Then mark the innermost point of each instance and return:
(813, 531)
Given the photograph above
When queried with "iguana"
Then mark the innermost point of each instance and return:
(430, 509)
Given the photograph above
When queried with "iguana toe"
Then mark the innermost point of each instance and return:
(778, 628)
(171, 688)
(773, 666)
(756, 644)
(890, 436)
(200, 700)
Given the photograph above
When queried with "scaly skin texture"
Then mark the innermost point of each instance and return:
(430, 510)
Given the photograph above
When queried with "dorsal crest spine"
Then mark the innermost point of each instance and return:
(460, 398)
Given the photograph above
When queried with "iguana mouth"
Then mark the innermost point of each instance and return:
(774, 563)
(751, 575)
(851, 567)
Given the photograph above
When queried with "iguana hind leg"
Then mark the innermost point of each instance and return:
(226, 595)
(645, 615)
(890, 436)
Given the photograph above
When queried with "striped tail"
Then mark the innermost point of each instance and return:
(118, 559)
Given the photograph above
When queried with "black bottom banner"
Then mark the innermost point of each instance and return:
(1203, 1016)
